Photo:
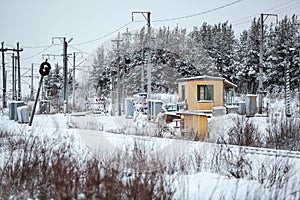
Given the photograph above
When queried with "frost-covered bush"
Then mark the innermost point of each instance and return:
(279, 133)
(32, 168)
(283, 133)
(243, 133)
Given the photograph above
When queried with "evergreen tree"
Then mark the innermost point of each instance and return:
(54, 85)
(282, 46)
(250, 47)
(54, 82)
(100, 74)
(204, 51)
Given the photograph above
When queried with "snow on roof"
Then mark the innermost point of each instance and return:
(206, 77)
(206, 113)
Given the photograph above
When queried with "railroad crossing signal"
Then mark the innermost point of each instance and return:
(45, 68)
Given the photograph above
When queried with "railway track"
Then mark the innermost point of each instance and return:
(165, 144)
(272, 152)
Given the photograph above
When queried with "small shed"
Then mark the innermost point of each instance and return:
(200, 98)
(194, 122)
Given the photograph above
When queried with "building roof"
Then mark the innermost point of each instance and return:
(205, 113)
(205, 77)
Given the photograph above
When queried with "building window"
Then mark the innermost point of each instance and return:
(205, 92)
(183, 92)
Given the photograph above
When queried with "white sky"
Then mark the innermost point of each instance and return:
(33, 23)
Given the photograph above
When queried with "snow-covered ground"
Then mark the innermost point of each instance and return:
(211, 170)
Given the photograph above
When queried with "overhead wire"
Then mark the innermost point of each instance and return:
(279, 10)
(125, 25)
(159, 20)
(197, 14)
(104, 36)
(90, 41)
(288, 8)
(283, 4)
(35, 47)
(77, 49)
(38, 53)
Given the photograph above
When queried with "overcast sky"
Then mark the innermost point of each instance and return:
(34, 23)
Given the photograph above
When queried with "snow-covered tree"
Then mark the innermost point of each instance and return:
(54, 82)
(282, 43)
(205, 50)
(214, 45)
(100, 74)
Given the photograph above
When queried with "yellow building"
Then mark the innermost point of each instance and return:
(199, 98)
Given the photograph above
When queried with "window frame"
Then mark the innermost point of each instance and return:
(183, 92)
(205, 93)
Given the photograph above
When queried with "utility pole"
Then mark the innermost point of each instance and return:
(65, 69)
(19, 73)
(260, 80)
(147, 17)
(113, 103)
(31, 87)
(32, 76)
(73, 82)
(143, 73)
(125, 76)
(117, 41)
(13, 78)
(4, 104)
(4, 73)
(65, 72)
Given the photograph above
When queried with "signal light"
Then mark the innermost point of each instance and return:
(220, 69)
(127, 60)
(45, 68)
(219, 64)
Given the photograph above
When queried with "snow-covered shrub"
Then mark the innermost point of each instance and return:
(275, 174)
(283, 133)
(244, 133)
(231, 164)
(35, 168)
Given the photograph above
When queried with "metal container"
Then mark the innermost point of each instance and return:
(23, 114)
(154, 107)
(251, 105)
(242, 108)
(13, 115)
(129, 108)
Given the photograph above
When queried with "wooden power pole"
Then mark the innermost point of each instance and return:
(117, 41)
(260, 78)
(4, 104)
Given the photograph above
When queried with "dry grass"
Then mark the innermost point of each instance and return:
(35, 170)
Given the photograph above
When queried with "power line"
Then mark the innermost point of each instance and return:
(35, 47)
(160, 20)
(77, 49)
(288, 8)
(90, 41)
(42, 51)
(240, 21)
(197, 14)
(246, 19)
(127, 24)
(106, 35)
(283, 4)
